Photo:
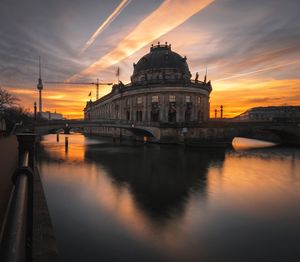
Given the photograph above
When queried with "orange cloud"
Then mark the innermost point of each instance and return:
(169, 15)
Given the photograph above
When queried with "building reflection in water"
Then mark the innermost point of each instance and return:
(154, 202)
(159, 179)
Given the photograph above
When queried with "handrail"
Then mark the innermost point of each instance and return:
(17, 237)
(24, 159)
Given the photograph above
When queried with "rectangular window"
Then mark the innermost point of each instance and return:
(172, 98)
(187, 99)
(154, 99)
(199, 99)
(139, 100)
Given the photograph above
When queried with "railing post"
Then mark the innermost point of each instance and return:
(27, 143)
(27, 147)
(16, 245)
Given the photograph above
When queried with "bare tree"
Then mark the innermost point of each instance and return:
(7, 99)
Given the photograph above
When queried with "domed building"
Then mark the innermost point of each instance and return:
(161, 91)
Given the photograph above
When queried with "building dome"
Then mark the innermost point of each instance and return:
(161, 64)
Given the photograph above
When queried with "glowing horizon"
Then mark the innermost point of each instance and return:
(253, 63)
(261, 94)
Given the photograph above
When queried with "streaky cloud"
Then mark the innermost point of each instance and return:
(257, 71)
(105, 24)
(169, 15)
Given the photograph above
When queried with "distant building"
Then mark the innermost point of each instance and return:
(161, 91)
(271, 113)
(50, 116)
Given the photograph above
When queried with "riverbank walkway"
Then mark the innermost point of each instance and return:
(43, 240)
(8, 164)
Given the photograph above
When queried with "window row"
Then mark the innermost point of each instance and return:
(172, 98)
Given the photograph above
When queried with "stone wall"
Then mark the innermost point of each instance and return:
(8, 164)
(206, 135)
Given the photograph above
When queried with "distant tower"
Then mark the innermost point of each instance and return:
(40, 86)
(221, 109)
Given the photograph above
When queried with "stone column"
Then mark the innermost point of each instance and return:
(164, 108)
(145, 108)
(149, 107)
(194, 107)
(180, 108)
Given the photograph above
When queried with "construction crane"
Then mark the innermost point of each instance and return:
(97, 84)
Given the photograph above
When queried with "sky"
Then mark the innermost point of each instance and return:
(251, 48)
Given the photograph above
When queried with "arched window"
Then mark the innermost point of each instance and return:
(172, 109)
(172, 115)
(187, 116)
(155, 109)
(188, 110)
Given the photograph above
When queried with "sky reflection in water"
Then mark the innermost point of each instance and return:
(122, 202)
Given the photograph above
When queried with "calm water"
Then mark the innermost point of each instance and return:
(122, 202)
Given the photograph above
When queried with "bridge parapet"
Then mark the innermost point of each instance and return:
(285, 132)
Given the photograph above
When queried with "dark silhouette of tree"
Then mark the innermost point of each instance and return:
(7, 99)
(11, 112)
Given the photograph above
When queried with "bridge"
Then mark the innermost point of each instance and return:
(212, 132)
(51, 126)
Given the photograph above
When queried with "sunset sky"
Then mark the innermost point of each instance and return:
(251, 48)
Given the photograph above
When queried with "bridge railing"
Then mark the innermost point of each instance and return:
(16, 241)
(119, 122)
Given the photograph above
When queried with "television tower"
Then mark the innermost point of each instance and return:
(40, 86)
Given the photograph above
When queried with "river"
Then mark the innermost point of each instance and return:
(145, 202)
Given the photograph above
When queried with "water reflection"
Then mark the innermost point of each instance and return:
(242, 143)
(160, 203)
(160, 180)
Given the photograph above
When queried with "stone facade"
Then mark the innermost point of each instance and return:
(160, 91)
(172, 104)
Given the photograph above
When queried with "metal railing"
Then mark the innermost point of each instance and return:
(16, 243)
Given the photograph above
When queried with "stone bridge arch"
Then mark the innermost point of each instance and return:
(152, 132)
(141, 131)
(277, 134)
(260, 134)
